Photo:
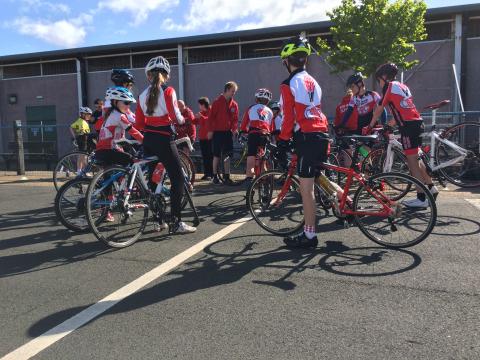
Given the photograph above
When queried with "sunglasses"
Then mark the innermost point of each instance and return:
(126, 102)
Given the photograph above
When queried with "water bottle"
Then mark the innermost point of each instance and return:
(158, 176)
(363, 150)
(326, 185)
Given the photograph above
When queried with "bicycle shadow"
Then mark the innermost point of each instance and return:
(215, 269)
(446, 223)
(18, 220)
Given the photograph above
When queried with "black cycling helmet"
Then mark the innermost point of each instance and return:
(354, 79)
(120, 77)
(274, 105)
(390, 70)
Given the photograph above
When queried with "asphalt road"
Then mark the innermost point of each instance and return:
(245, 296)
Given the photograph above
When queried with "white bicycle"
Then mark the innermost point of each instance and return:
(452, 154)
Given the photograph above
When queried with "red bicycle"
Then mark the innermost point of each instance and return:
(375, 204)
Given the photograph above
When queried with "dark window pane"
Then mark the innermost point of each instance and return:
(262, 49)
(109, 63)
(473, 28)
(210, 54)
(61, 67)
(439, 31)
(17, 71)
(140, 60)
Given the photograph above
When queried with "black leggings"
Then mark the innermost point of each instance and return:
(165, 149)
(207, 156)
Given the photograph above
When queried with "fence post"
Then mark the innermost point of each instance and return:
(17, 126)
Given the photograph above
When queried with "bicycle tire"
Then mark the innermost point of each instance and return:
(403, 216)
(188, 165)
(105, 195)
(468, 175)
(71, 165)
(71, 212)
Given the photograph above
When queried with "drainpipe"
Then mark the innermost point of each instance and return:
(181, 81)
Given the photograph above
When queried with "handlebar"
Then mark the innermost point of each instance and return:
(127, 141)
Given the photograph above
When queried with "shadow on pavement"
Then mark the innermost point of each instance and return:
(27, 219)
(216, 269)
(462, 226)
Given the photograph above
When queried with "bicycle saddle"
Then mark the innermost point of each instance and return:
(437, 105)
(360, 138)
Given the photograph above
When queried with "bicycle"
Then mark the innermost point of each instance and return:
(443, 157)
(375, 208)
(185, 158)
(66, 167)
(123, 194)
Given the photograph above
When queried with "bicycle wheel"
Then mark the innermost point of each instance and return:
(113, 221)
(188, 166)
(404, 227)
(466, 172)
(66, 168)
(275, 205)
(70, 205)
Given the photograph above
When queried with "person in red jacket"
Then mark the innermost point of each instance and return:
(201, 119)
(258, 123)
(351, 126)
(223, 126)
(303, 120)
(188, 128)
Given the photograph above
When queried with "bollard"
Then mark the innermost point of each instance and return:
(17, 126)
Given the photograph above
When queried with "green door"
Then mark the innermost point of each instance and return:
(41, 129)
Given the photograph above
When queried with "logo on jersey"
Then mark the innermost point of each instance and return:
(310, 86)
(313, 112)
(262, 114)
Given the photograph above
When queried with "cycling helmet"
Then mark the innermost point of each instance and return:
(294, 45)
(85, 110)
(263, 94)
(119, 93)
(274, 105)
(158, 63)
(354, 79)
(388, 69)
(121, 76)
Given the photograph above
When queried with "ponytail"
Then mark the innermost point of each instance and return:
(108, 112)
(158, 79)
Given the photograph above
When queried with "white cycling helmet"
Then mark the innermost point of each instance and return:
(158, 63)
(85, 110)
(119, 93)
(263, 94)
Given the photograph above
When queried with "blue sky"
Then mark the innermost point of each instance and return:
(42, 25)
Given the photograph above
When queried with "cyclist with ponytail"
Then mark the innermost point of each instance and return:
(156, 114)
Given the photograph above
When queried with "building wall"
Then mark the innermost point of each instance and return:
(60, 90)
(472, 88)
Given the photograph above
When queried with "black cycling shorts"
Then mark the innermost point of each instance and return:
(82, 142)
(222, 143)
(256, 140)
(311, 149)
(109, 157)
(411, 132)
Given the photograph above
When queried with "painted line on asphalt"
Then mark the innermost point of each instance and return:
(53, 335)
(474, 202)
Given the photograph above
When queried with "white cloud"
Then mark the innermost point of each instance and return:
(41, 5)
(65, 33)
(139, 10)
(254, 13)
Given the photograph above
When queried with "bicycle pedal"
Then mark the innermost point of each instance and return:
(346, 224)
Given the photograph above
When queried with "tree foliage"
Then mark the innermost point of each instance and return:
(367, 33)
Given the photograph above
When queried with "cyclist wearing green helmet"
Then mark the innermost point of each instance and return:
(304, 121)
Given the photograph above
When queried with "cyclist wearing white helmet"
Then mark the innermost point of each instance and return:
(80, 128)
(258, 123)
(157, 112)
(123, 79)
(277, 120)
(114, 127)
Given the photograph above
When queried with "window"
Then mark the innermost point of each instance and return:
(18, 71)
(261, 49)
(109, 63)
(60, 67)
(211, 54)
(473, 28)
(140, 60)
(439, 31)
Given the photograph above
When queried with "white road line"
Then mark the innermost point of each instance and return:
(48, 338)
(474, 202)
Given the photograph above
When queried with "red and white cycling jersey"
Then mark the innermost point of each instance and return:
(301, 104)
(277, 123)
(365, 104)
(398, 98)
(130, 114)
(258, 118)
(114, 129)
(166, 113)
(341, 109)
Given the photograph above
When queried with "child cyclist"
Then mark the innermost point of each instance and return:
(258, 123)
(277, 120)
(123, 79)
(157, 112)
(303, 119)
(80, 132)
(398, 98)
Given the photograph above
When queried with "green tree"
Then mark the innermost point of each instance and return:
(367, 33)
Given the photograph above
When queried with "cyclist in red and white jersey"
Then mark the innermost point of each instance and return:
(398, 98)
(258, 123)
(304, 121)
(351, 125)
(188, 128)
(157, 112)
(277, 120)
(124, 79)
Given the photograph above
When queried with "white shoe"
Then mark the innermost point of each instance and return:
(416, 203)
(434, 192)
(159, 227)
(185, 229)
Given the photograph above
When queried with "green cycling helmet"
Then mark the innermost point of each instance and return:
(294, 45)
